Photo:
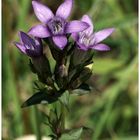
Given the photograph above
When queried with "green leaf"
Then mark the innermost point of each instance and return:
(80, 77)
(74, 134)
(50, 121)
(53, 117)
(45, 119)
(84, 86)
(83, 89)
(85, 75)
(38, 85)
(64, 99)
(41, 98)
(80, 92)
(32, 66)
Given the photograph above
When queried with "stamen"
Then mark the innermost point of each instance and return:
(86, 39)
(56, 26)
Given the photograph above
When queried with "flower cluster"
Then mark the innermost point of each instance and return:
(71, 43)
(57, 27)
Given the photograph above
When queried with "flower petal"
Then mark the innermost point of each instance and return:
(88, 20)
(76, 26)
(64, 9)
(82, 47)
(43, 13)
(40, 31)
(103, 34)
(26, 39)
(60, 41)
(100, 47)
(75, 36)
(20, 47)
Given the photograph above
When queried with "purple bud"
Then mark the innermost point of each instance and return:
(29, 46)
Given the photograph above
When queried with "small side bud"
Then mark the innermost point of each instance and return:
(63, 71)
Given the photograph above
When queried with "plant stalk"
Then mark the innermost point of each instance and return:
(38, 131)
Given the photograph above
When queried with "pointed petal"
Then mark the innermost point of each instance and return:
(75, 36)
(43, 13)
(60, 41)
(88, 20)
(76, 26)
(64, 9)
(103, 34)
(38, 44)
(20, 47)
(40, 31)
(82, 47)
(26, 39)
(100, 47)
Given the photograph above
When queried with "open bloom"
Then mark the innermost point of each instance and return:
(87, 39)
(56, 26)
(29, 46)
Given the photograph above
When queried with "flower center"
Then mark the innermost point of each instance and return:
(86, 39)
(56, 26)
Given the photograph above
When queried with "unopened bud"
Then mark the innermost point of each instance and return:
(63, 71)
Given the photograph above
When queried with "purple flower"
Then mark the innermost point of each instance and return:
(88, 39)
(56, 26)
(29, 46)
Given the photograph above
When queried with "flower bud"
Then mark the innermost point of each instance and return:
(42, 68)
(63, 72)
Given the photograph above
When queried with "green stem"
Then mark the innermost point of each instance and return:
(60, 110)
(63, 116)
(38, 132)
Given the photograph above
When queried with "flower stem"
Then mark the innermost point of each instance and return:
(38, 132)
(63, 116)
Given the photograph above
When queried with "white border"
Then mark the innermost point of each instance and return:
(1, 69)
(138, 69)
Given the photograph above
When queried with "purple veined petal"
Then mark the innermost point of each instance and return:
(38, 45)
(27, 40)
(82, 47)
(75, 36)
(76, 26)
(88, 20)
(60, 41)
(20, 47)
(40, 31)
(38, 41)
(43, 13)
(64, 9)
(103, 34)
(100, 47)
(19, 34)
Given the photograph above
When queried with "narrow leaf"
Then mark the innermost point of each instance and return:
(41, 98)
(74, 134)
(64, 99)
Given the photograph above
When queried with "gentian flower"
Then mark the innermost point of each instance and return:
(29, 46)
(88, 39)
(56, 26)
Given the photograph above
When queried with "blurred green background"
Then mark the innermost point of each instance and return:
(112, 112)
